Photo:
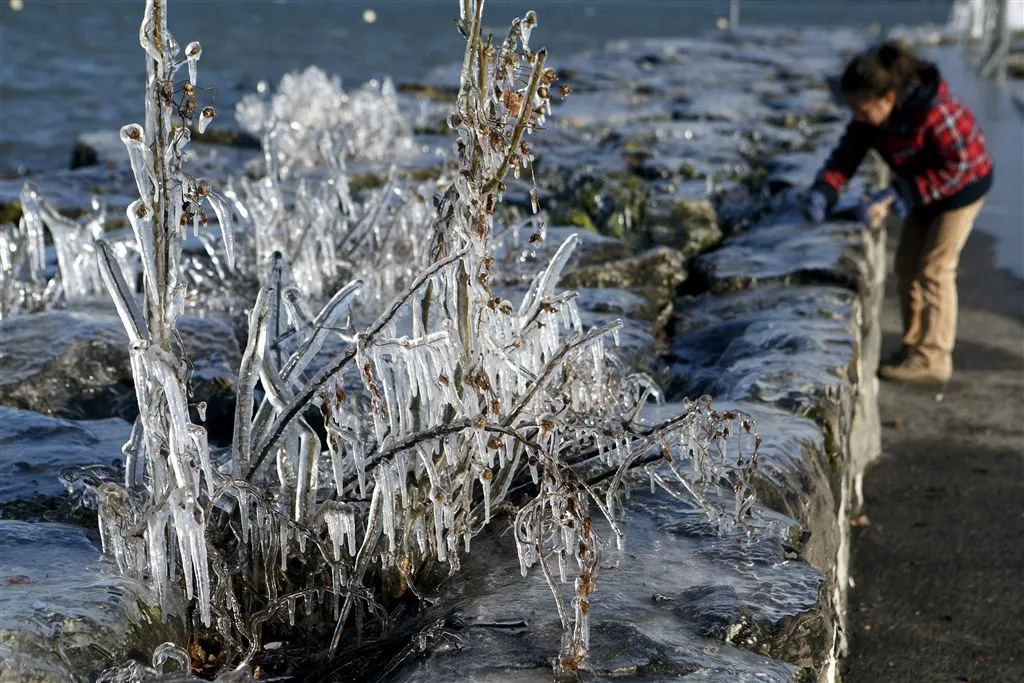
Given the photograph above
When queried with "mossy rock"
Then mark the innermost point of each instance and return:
(687, 224)
(230, 138)
(371, 180)
(10, 213)
(688, 172)
(655, 275)
(431, 91)
(615, 205)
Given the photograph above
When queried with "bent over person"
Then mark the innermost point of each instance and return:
(942, 172)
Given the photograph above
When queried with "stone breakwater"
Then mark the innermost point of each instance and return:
(677, 161)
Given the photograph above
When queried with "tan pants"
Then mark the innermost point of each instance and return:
(926, 263)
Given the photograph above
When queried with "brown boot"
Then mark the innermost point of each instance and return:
(917, 367)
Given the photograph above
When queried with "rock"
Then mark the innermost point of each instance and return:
(631, 634)
(638, 341)
(75, 364)
(654, 274)
(717, 612)
(83, 155)
(228, 138)
(37, 447)
(103, 147)
(1015, 64)
(784, 248)
(658, 268)
(782, 346)
(614, 204)
(65, 614)
(688, 224)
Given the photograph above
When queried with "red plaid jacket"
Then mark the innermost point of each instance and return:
(932, 143)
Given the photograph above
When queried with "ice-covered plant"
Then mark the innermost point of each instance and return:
(168, 456)
(309, 103)
(456, 401)
(22, 287)
(325, 235)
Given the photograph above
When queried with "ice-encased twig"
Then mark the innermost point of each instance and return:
(124, 299)
(248, 374)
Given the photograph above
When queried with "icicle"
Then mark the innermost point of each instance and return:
(190, 529)
(248, 373)
(242, 496)
(141, 219)
(206, 115)
(193, 51)
(220, 207)
(133, 137)
(384, 481)
(124, 302)
(305, 492)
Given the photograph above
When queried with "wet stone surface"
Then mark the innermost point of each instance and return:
(66, 614)
(783, 248)
(644, 620)
(780, 345)
(83, 371)
(37, 448)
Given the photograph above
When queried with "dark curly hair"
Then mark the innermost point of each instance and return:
(874, 72)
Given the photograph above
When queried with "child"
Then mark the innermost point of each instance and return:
(942, 171)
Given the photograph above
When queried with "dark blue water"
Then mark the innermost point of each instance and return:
(72, 66)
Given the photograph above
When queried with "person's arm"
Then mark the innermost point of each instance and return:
(843, 161)
(952, 131)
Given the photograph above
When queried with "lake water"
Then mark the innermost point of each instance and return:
(72, 66)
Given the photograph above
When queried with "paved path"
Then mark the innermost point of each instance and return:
(939, 567)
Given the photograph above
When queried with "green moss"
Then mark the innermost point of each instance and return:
(439, 128)
(423, 173)
(614, 203)
(358, 182)
(688, 172)
(820, 414)
(642, 142)
(10, 213)
(441, 93)
(47, 509)
(581, 218)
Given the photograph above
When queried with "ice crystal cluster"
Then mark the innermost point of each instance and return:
(26, 285)
(23, 287)
(326, 236)
(457, 404)
(308, 103)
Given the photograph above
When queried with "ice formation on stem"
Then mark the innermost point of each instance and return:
(22, 287)
(168, 469)
(454, 403)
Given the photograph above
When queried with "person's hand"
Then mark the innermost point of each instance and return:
(875, 205)
(814, 206)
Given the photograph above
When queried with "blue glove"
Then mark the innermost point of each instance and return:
(897, 206)
(814, 206)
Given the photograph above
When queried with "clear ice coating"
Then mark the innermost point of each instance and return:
(310, 103)
(439, 398)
